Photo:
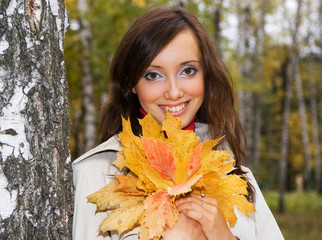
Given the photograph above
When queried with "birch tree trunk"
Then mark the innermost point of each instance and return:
(300, 97)
(87, 77)
(182, 3)
(216, 18)
(305, 134)
(286, 106)
(315, 126)
(285, 137)
(245, 96)
(259, 69)
(320, 85)
(35, 170)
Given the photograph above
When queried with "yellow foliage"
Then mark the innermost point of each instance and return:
(166, 163)
(139, 3)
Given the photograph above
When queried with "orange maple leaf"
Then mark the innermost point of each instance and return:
(195, 163)
(160, 213)
(160, 157)
(182, 188)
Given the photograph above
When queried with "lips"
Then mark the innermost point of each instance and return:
(174, 109)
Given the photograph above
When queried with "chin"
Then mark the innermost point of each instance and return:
(184, 123)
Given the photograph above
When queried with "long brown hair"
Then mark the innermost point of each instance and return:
(141, 44)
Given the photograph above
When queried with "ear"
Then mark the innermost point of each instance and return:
(134, 90)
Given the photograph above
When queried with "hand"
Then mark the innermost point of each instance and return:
(208, 214)
(185, 229)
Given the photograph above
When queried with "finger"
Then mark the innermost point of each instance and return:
(205, 198)
(200, 208)
(190, 198)
(208, 216)
(199, 199)
(191, 202)
(197, 208)
(198, 213)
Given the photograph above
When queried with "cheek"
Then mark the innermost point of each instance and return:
(197, 89)
(144, 99)
(147, 94)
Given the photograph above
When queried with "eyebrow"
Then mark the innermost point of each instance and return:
(181, 64)
(191, 61)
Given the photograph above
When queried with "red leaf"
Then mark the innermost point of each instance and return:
(195, 163)
(160, 157)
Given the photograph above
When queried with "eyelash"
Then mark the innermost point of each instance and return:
(158, 75)
(194, 70)
(148, 75)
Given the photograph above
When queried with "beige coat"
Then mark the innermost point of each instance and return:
(91, 172)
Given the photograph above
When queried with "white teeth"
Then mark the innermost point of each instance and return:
(174, 109)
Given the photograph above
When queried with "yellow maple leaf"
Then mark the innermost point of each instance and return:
(128, 185)
(166, 163)
(229, 191)
(150, 128)
(124, 199)
(119, 161)
(123, 219)
(117, 193)
(106, 198)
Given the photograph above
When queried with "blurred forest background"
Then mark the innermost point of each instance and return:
(273, 50)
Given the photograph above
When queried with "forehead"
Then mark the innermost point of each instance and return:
(184, 47)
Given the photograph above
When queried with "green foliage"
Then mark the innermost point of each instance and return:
(295, 202)
(298, 226)
(302, 219)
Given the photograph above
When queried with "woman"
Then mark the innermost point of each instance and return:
(166, 61)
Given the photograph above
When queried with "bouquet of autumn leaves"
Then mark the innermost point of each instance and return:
(166, 163)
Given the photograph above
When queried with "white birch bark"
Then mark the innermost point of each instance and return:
(287, 103)
(320, 88)
(259, 69)
(245, 96)
(305, 134)
(315, 126)
(216, 18)
(87, 77)
(182, 3)
(301, 102)
(35, 171)
(285, 137)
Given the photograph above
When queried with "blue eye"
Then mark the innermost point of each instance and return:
(189, 71)
(152, 75)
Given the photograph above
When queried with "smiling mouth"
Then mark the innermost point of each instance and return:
(174, 109)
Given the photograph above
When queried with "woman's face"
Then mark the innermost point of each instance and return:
(174, 81)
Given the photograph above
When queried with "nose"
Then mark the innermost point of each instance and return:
(173, 89)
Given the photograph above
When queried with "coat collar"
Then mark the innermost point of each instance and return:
(113, 144)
